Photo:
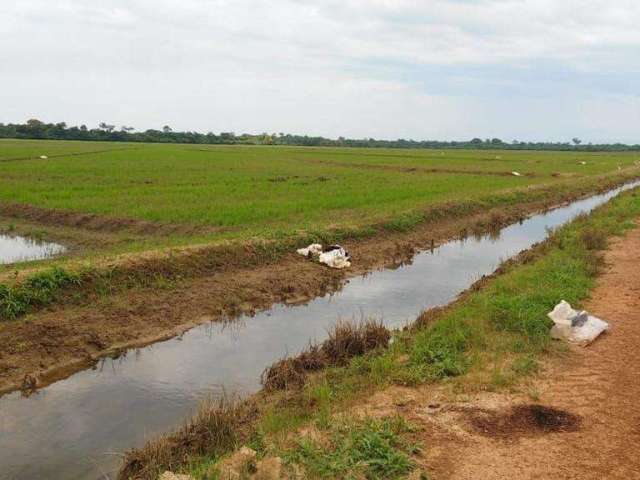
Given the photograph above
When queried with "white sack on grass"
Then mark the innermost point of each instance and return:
(516, 174)
(335, 257)
(574, 326)
(313, 249)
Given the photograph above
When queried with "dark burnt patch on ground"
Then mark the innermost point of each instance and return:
(523, 420)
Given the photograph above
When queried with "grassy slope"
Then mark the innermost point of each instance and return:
(491, 338)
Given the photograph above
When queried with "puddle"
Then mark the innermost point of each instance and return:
(76, 428)
(14, 249)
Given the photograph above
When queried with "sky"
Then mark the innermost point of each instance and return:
(442, 69)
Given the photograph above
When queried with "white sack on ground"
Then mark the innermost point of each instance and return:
(335, 257)
(313, 249)
(574, 326)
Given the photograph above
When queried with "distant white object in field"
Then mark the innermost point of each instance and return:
(516, 174)
(583, 163)
(498, 157)
(574, 326)
(43, 157)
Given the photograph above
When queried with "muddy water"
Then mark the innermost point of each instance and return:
(76, 428)
(15, 249)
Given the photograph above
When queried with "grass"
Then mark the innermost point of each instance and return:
(346, 340)
(368, 448)
(37, 290)
(494, 337)
(212, 431)
(272, 191)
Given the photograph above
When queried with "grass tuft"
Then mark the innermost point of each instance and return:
(371, 449)
(37, 290)
(346, 340)
(213, 431)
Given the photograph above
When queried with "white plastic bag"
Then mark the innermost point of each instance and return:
(574, 326)
(313, 249)
(335, 257)
(562, 313)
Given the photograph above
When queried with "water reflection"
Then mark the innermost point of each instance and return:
(14, 249)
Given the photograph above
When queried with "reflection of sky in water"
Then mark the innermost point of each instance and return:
(21, 249)
(73, 428)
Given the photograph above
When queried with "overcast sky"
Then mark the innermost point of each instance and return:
(440, 69)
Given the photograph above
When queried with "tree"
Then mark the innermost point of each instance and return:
(34, 123)
(576, 141)
(167, 129)
(106, 127)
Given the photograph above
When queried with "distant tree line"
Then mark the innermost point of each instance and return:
(35, 129)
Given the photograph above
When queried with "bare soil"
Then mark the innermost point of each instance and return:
(585, 422)
(99, 223)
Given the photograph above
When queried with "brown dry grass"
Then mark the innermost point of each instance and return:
(215, 429)
(346, 340)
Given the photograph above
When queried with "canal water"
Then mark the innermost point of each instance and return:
(78, 428)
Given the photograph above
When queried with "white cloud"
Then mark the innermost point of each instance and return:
(384, 68)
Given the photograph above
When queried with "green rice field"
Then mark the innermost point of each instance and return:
(252, 191)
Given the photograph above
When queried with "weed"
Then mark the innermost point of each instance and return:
(593, 238)
(371, 449)
(38, 289)
(403, 223)
(525, 365)
(441, 348)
